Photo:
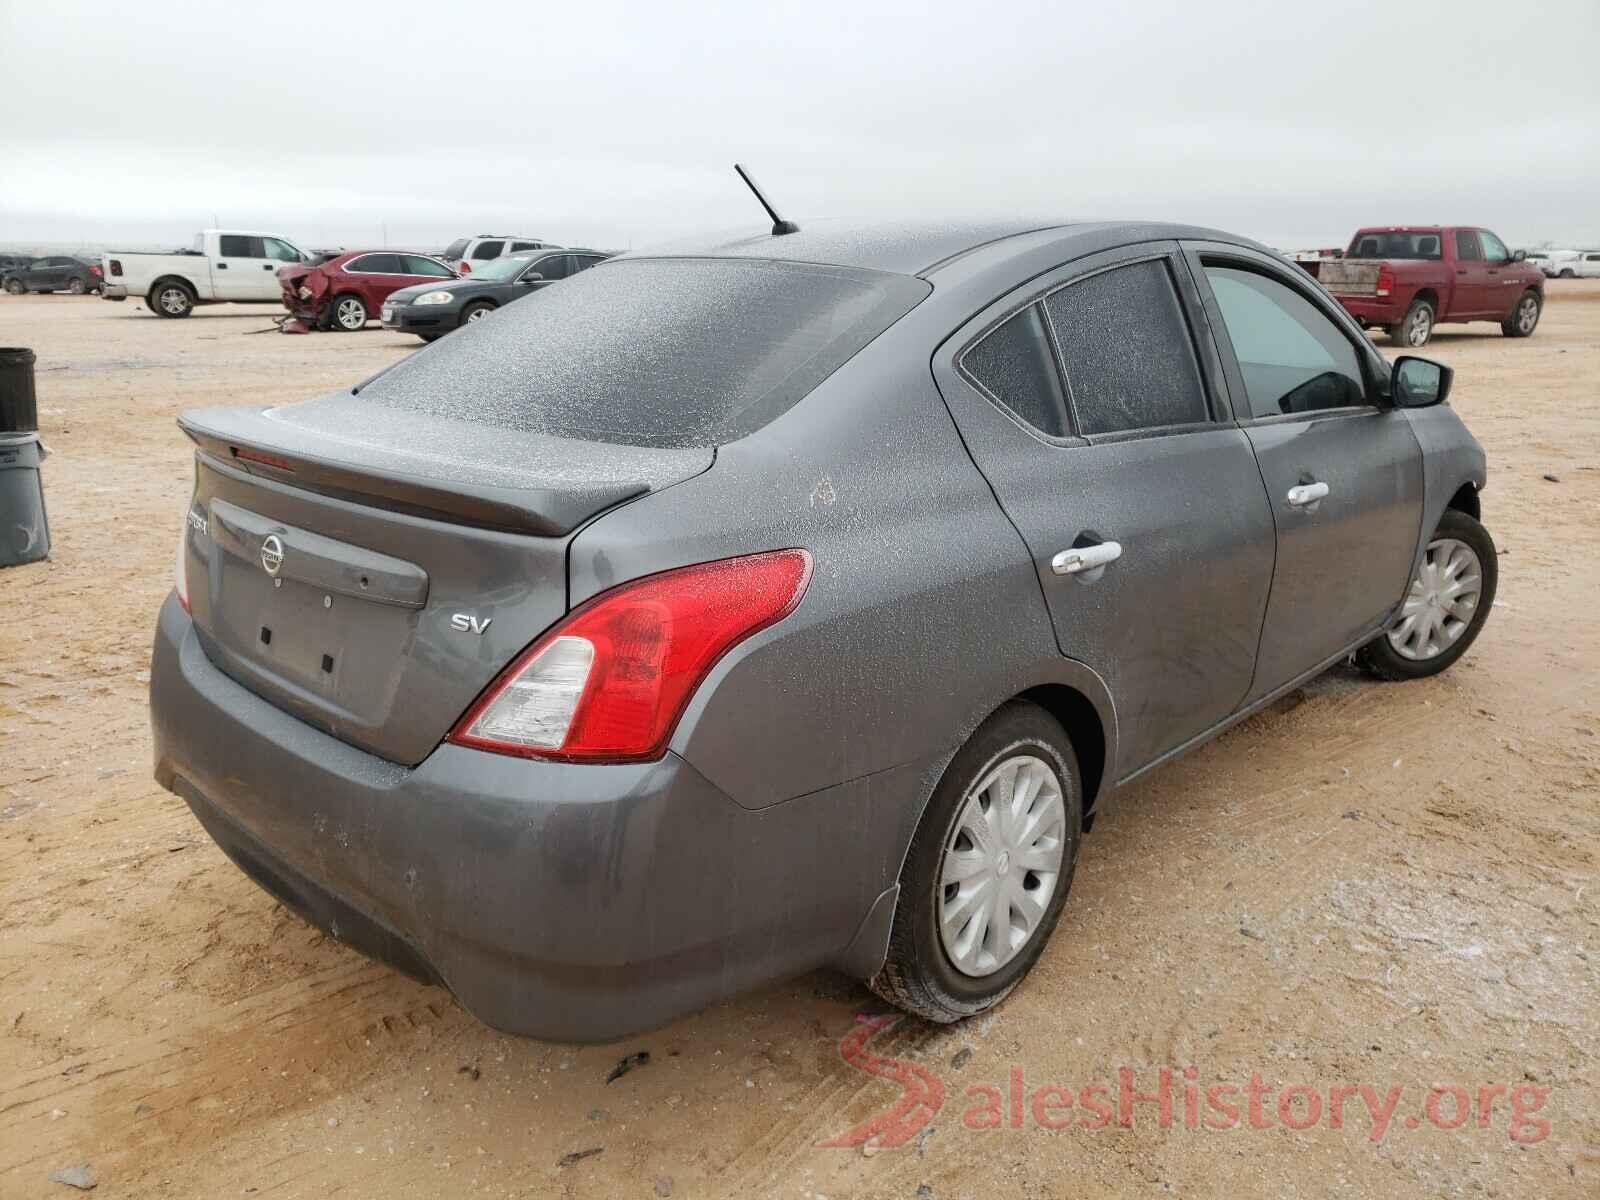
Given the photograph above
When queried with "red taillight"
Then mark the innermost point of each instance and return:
(465, 268)
(1385, 280)
(609, 682)
(94, 270)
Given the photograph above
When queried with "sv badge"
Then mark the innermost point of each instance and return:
(467, 623)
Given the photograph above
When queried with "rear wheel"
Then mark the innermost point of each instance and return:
(1569, 273)
(1524, 318)
(349, 314)
(1446, 606)
(76, 287)
(1415, 328)
(988, 870)
(171, 300)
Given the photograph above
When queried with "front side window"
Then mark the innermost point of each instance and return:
(551, 266)
(1467, 248)
(1126, 351)
(1494, 250)
(1015, 365)
(582, 262)
(1293, 358)
(279, 249)
(488, 250)
(517, 246)
(375, 264)
(416, 264)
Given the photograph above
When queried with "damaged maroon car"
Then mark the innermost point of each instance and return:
(344, 291)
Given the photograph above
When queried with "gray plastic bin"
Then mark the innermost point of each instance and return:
(24, 528)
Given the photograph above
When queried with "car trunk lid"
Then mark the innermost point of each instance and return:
(371, 571)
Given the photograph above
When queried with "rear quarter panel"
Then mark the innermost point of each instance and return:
(923, 613)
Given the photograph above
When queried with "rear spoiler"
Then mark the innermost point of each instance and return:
(547, 512)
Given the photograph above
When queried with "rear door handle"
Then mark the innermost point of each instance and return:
(266, 266)
(1085, 558)
(1306, 494)
(222, 266)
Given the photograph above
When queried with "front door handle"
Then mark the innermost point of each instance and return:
(1305, 495)
(222, 266)
(1086, 558)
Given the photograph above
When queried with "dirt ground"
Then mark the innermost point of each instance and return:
(1379, 885)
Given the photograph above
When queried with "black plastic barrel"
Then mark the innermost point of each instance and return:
(19, 405)
(24, 528)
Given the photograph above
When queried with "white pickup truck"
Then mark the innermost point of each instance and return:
(225, 266)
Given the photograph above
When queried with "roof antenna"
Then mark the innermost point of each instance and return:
(779, 225)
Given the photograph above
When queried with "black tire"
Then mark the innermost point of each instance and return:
(16, 287)
(1569, 273)
(347, 314)
(1415, 328)
(430, 337)
(1378, 657)
(76, 287)
(476, 311)
(1520, 323)
(171, 299)
(917, 974)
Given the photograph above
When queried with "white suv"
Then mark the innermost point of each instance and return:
(468, 253)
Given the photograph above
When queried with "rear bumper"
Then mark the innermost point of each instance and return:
(1374, 309)
(564, 901)
(115, 291)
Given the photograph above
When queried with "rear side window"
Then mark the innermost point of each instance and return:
(654, 352)
(238, 245)
(1014, 363)
(1292, 357)
(416, 264)
(1126, 351)
(1467, 248)
(488, 250)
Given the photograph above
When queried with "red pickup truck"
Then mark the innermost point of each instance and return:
(1407, 279)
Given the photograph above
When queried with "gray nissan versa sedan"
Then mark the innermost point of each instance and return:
(754, 606)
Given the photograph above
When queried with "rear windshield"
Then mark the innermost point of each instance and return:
(1394, 245)
(654, 352)
(456, 248)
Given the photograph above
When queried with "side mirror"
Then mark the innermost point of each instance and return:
(532, 277)
(1419, 382)
(1518, 255)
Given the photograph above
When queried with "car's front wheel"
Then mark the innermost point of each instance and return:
(476, 312)
(1445, 607)
(349, 314)
(1524, 318)
(16, 287)
(988, 870)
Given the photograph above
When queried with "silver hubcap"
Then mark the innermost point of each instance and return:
(477, 314)
(1001, 864)
(1443, 598)
(76, 287)
(174, 301)
(1421, 326)
(1528, 315)
(351, 314)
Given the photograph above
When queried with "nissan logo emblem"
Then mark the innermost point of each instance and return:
(271, 554)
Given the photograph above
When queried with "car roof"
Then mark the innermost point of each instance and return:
(916, 248)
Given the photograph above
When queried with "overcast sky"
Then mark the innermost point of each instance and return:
(617, 124)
